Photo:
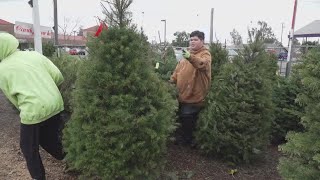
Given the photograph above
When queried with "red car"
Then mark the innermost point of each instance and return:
(73, 52)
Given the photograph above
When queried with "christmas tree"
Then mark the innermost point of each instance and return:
(123, 112)
(235, 125)
(287, 111)
(302, 151)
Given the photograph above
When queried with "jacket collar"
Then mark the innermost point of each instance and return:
(199, 50)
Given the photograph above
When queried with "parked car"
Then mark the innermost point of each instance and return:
(73, 51)
(282, 56)
(82, 52)
(66, 49)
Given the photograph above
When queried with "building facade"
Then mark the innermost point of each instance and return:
(26, 40)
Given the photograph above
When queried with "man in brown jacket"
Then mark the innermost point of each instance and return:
(192, 77)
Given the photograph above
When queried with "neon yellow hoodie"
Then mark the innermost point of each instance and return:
(29, 80)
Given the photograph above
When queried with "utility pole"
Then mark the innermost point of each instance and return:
(282, 26)
(36, 25)
(142, 21)
(291, 38)
(165, 29)
(159, 37)
(55, 12)
(74, 37)
(211, 26)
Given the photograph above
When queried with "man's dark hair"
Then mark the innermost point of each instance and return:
(199, 34)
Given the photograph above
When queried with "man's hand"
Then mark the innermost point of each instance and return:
(186, 54)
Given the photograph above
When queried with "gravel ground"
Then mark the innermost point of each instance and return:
(12, 164)
(182, 162)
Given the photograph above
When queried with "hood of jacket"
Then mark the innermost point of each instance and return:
(8, 45)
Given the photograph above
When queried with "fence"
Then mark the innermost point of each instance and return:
(296, 57)
(282, 53)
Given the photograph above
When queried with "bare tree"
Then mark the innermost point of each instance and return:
(118, 13)
(65, 28)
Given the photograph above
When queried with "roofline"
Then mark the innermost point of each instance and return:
(6, 22)
(306, 35)
(90, 27)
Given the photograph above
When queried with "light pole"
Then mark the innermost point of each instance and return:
(282, 26)
(211, 25)
(74, 36)
(36, 25)
(142, 21)
(165, 29)
(55, 14)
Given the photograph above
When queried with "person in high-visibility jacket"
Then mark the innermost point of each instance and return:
(30, 81)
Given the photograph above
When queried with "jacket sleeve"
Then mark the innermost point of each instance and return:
(173, 78)
(202, 62)
(53, 71)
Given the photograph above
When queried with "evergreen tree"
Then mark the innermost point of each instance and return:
(123, 112)
(219, 57)
(166, 67)
(48, 49)
(182, 39)
(164, 64)
(69, 66)
(287, 111)
(236, 122)
(302, 160)
(304, 50)
(170, 52)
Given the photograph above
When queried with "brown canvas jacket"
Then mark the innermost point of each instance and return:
(193, 77)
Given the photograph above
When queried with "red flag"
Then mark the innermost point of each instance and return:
(102, 25)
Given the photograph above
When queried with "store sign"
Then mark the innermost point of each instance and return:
(26, 29)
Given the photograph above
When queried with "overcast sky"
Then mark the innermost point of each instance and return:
(180, 15)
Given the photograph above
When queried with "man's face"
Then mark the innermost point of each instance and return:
(195, 43)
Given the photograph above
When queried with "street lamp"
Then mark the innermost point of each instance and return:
(165, 29)
(282, 26)
(74, 36)
(142, 21)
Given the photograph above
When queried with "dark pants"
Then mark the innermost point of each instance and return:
(188, 116)
(47, 134)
